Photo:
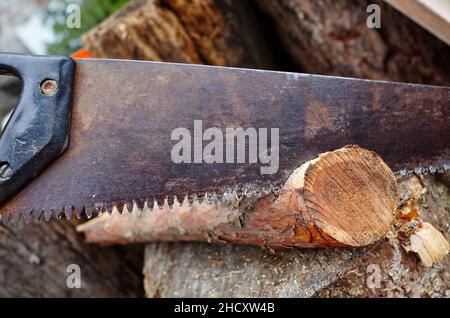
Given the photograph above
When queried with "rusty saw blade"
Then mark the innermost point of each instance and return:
(125, 113)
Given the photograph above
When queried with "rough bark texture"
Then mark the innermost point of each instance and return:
(325, 37)
(331, 37)
(320, 205)
(34, 260)
(201, 270)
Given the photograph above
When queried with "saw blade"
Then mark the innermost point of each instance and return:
(128, 118)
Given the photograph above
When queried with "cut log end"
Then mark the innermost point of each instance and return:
(349, 194)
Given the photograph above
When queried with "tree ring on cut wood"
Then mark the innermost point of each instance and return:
(350, 194)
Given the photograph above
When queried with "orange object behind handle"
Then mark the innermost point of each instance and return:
(81, 54)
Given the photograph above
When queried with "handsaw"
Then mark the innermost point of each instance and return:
(91, 135)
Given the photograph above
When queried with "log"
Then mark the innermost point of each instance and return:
(225, 33)
(344, 198)
(332, 38)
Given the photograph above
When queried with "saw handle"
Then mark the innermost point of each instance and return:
(38, 129)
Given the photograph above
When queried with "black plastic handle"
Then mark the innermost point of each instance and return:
(37, 132)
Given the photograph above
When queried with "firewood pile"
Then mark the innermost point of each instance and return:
(400, 254)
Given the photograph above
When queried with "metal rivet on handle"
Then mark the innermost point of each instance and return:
(49, 87)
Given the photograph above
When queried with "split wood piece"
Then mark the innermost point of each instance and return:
(414, 234)
(346, 197)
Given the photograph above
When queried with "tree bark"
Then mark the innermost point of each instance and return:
(224, 33)
(331, 37)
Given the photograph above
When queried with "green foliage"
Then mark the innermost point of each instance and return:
(68, 40)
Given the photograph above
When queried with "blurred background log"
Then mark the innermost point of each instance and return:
(324, 37)
(331, 37)
(34, 260)
(225, 33)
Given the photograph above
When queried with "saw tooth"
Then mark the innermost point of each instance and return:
(145, 207)
(165, 204)
(36, 215)
(99, 206)
(125, 209)
(129, 206)
(47, 215)
(122, 207)
(27, 216)
(140, 203)
(251, 191)
(155, 206)
(176, 203)
(228, 196)
(59, 213)
(78, 211)
(89, 213)
(276, 190)
(114, 210)
(210, 198)
(118, 205)
(135, 209)
(68, 212)
(267, 189)
(109, 206)
(196, 202)
(206, 198)
(216, 198)
(185, 201)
